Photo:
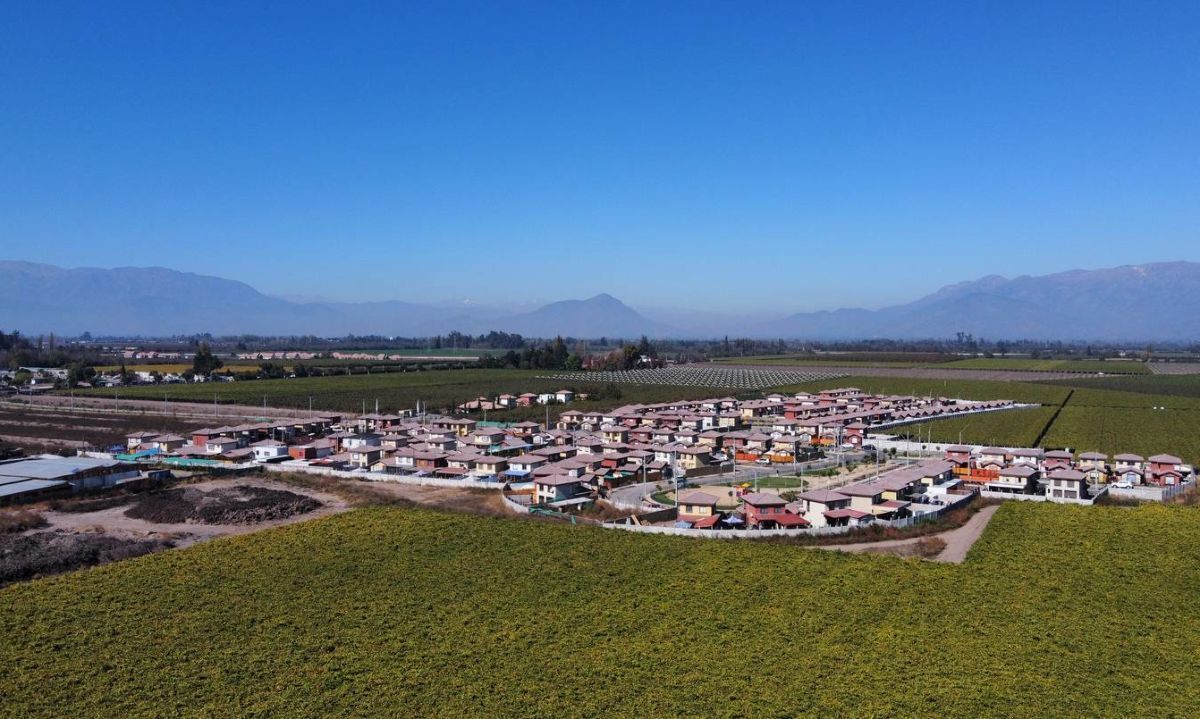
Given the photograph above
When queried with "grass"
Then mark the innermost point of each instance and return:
(400, 612)
(776, 482)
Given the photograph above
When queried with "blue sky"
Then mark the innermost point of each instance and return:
(735, 155)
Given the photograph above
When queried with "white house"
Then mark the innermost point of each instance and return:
(268, 449)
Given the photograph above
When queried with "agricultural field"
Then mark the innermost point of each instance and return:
(740, 378)
(1112, 398)
(1171, 385)
(832, 359)
(1052, 365)
(378, 612)
(1139, 430)
(439, 389)
(56, 428)
(1008, 428)
(1028, 392)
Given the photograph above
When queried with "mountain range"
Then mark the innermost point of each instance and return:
(1152, 302)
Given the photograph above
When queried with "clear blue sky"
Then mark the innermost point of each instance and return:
(803, 155)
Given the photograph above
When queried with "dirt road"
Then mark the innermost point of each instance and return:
(958, 541)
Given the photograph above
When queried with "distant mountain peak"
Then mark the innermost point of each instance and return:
(1149, 301)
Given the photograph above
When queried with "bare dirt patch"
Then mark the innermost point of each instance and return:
(110, 516)
(240, 504)
(43, 553)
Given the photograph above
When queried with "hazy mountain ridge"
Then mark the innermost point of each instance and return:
(1133, 302)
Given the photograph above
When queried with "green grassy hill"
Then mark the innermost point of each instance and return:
(1059, 611)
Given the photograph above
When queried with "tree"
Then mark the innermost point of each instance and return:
(205, 362)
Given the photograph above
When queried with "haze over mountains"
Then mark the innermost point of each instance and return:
(1152, 302)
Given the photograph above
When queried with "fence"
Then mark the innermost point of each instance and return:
(804, 532)
(1150, 494)
(380, 477)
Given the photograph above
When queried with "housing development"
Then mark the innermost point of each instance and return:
(684, 465)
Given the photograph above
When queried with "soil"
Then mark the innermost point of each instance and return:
(38, 554)
(241, 504)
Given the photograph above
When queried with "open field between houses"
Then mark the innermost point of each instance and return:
(378, 613)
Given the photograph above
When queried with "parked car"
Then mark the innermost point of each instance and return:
(762, 460)
(1123, 485)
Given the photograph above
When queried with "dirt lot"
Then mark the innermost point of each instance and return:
(68, 540)
(115, 522)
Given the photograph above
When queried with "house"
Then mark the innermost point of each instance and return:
(614, 433)
(817, 503)
(695, 504)
(1166, 469)
(1057, 459)
(524, 465)
(1095, 466)
(959, 454)
(863, 495)
(490, 466)
(168, 442)
(316, 449)
(365, 455)
(846, 516)
(462, 460)
(137, 439)
(765, 510)
(855, 434)
(1066, 484)
(486, 438)
(995, 458)
(556, 488)
(429, 460)
(1129, 468)
(220, 445)
(526, 400)
(690, 457)
(362, 439)
(269, 450)
(1027, 457)
(564, 396)
(1018, 479)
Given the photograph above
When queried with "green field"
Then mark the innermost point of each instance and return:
(400, 612)
(1052, 365)
(1127, 429)
(440, 389)
(1009, 428)
(821, 361)
(1031, 392)
(1173, 385)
